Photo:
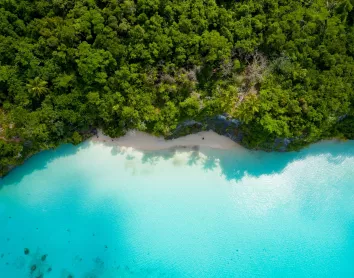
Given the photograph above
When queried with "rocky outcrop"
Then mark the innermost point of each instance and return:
(226, 126)
(221, 124)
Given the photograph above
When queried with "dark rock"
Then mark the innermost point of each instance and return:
(28, 144)
(229, 127)
(44, 257)
(221, 124)
(26, 251)
(33, 267)
(341, 118)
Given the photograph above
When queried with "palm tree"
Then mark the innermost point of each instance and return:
(37, 87)
(248, 108)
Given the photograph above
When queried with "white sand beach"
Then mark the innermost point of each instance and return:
(143, 141)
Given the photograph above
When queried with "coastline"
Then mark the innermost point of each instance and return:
(146, 142)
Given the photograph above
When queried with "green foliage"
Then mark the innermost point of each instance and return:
(284, 68)
(10, 155)
(345, 128)
(76, 138)
(37, 87)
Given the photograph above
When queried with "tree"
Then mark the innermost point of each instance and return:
(37, 87)
(284, 68)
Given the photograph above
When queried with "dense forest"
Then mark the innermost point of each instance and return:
(284, 68)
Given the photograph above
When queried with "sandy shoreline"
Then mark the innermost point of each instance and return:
(143, 141)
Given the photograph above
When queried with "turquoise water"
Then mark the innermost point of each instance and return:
(102, 211)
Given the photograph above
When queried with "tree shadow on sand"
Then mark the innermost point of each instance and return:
(236, 163)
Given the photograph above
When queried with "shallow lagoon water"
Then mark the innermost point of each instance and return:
(100, 211)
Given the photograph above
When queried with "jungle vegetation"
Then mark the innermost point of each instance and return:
(284, 68)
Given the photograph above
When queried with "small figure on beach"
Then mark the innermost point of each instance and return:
(202, 138)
